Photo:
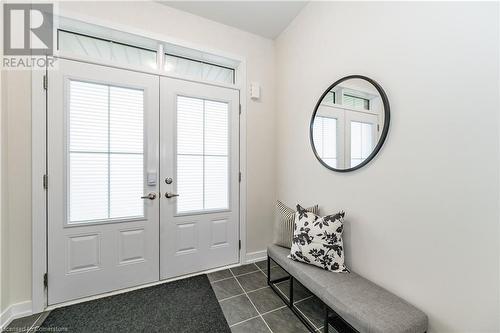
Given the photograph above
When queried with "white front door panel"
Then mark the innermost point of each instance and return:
(199, 162)
(102, 157)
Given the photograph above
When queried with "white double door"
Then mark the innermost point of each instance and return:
(142, 179)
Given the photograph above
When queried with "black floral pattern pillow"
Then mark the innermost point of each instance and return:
(318, 240)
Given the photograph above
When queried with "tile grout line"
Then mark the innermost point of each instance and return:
(263, 314)
(246, 273)
(244, 321)
(260, 315)
(230, 297)
(251, 291)
(225, 299)
(212, 282)
(224, 279)
(297, 302)
(270, 311)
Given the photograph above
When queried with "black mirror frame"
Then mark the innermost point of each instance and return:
(385, 130)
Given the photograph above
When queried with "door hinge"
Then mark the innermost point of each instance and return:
(45, 181)
(239, 177)
(45, 280)
(239, 244)
(45, 82)
(240, 108)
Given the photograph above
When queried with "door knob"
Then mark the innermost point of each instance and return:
(169, 195)
(150, 196)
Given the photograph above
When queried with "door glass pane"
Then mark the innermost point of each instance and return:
(189, 182)
(216, 128)
(88, 121)
(361, 141)
(88, 190)
(126, 185)
(325, 139)
(216, 182)
(189, 126)
(202, 154)
(106, 152)
(126, 132)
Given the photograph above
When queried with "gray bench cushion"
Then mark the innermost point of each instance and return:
(363, 304)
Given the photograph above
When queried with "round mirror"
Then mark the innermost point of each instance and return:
(349, 123)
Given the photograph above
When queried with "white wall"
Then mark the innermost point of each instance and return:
(422, 218)
(173, 24)
(16, 187)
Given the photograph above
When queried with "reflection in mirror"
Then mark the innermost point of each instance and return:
(348, 123)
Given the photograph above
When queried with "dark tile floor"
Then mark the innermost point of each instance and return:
(251, 306)
(248, 303)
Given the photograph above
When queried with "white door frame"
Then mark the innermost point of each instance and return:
(39, 159)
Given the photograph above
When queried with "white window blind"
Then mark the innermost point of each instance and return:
(202, 154)
(325, 139)
(105, 152)
(361, 141)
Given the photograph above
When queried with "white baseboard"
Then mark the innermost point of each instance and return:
(255, 256)
(15, 311)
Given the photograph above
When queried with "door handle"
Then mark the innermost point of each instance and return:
(169, 195)
(150, 196)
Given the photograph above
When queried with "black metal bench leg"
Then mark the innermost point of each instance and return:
(268, 270)
(325, 327)
(291, 292)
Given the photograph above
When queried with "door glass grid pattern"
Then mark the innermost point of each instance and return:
(325, 139)
(202, 155)
(105, 152)
(361, 141)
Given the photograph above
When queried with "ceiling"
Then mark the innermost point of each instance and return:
(265, 18)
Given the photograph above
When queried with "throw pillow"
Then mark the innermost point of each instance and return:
(318, 240)
(284, 223)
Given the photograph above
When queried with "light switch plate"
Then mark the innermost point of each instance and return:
(254, 90)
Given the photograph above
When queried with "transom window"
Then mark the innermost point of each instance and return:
(105, 152)
(122, 53)
(329, 99)
(356, 102)
(196, 69)
(98, 48)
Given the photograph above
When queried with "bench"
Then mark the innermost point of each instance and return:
(351, 302)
